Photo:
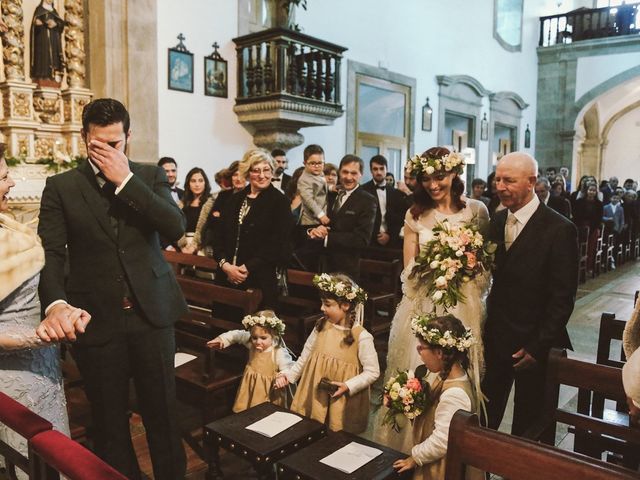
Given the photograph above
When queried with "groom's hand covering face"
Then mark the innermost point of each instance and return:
(105, 147)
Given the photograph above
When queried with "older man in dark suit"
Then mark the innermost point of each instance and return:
(353, 213)
(107, 215)
(391, 204)
(557, 203)
(534, 285)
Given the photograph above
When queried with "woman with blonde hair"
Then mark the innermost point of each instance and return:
(252, 240)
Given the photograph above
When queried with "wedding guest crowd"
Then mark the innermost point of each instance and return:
(119, 300)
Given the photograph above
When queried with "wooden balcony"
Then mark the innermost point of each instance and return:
(586, 24)
(286, 81)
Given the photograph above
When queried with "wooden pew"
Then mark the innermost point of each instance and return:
(517, 458)
(593, 434)
(183, 263)
(381, 280)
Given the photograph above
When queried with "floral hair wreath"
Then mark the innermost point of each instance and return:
(451, 163)
(350, 293)
(433, 336)
(274, 323)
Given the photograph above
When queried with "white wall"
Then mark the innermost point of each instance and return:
(621, 155)
(592, 71)
(195, 129)
(417, 38)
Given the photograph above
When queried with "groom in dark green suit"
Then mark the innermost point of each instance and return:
(106, 216)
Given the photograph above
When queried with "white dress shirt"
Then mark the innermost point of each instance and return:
(382, 199)
(366, 354)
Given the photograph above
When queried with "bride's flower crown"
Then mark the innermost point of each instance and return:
(349, 292)
(433, 336)
(451, 163)
(274, 323)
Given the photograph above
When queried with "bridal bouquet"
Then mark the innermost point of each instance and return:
(454, 256)
(404, 395)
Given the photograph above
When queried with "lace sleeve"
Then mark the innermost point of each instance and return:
(410, 222)
(481, 215)
(17, 338)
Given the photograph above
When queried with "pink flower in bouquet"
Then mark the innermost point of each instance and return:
(472, 260)
(464, 239)
(414, 384)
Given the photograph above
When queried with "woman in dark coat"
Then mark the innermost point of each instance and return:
(252, 240)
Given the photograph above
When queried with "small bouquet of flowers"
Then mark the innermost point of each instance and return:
(454, 256)
(405, 395)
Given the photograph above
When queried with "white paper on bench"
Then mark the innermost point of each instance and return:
(181, 358)
(351, 457)
(273, 424)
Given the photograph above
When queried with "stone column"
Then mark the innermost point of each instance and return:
(17, 122)
(75, 96)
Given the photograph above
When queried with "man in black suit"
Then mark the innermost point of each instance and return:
(280, 179)
(106, 216)
(391, 205)
(534, 285)
(557, 203)
(353, 213)
(170, 167)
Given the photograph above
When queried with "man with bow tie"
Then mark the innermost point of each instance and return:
(534, 286)
(391, 204)
(171, 169)
(280, 180)
(105, 217)
(353, 213)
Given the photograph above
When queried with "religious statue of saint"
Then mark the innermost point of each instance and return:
(47, 58)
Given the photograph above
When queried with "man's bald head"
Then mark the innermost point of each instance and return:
(521, 161)
(516, 177)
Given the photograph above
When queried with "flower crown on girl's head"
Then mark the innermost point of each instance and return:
(450, 163)
(350, 293)
(273, 323)
(433, 336)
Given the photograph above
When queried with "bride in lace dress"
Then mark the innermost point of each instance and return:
(438, 196)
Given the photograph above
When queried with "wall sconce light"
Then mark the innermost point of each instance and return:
(427, 115)
(527, 137)
(484, 128)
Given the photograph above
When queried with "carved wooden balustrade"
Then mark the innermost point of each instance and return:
(585, 24)
(286, 80)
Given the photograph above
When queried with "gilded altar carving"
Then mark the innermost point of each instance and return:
(75, 103)
(21, 104)
(13, 40)
(74, 43)
(47, 107)
(44, 147)
(23, 146)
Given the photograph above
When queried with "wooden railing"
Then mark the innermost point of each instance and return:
(279, 62)
(585, 24)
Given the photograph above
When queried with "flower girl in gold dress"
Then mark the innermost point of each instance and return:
(267, 356)
(339, 362)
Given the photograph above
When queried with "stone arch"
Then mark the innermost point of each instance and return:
(588, 144)
(607, 128)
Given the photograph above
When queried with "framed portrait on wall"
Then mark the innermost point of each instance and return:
(215, 75)
(180, 68)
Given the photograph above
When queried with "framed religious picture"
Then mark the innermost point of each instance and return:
(215, 75)
(180, 67)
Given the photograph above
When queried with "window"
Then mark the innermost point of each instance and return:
(379, 116)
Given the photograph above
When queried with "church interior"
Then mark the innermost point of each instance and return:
(204, 81)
